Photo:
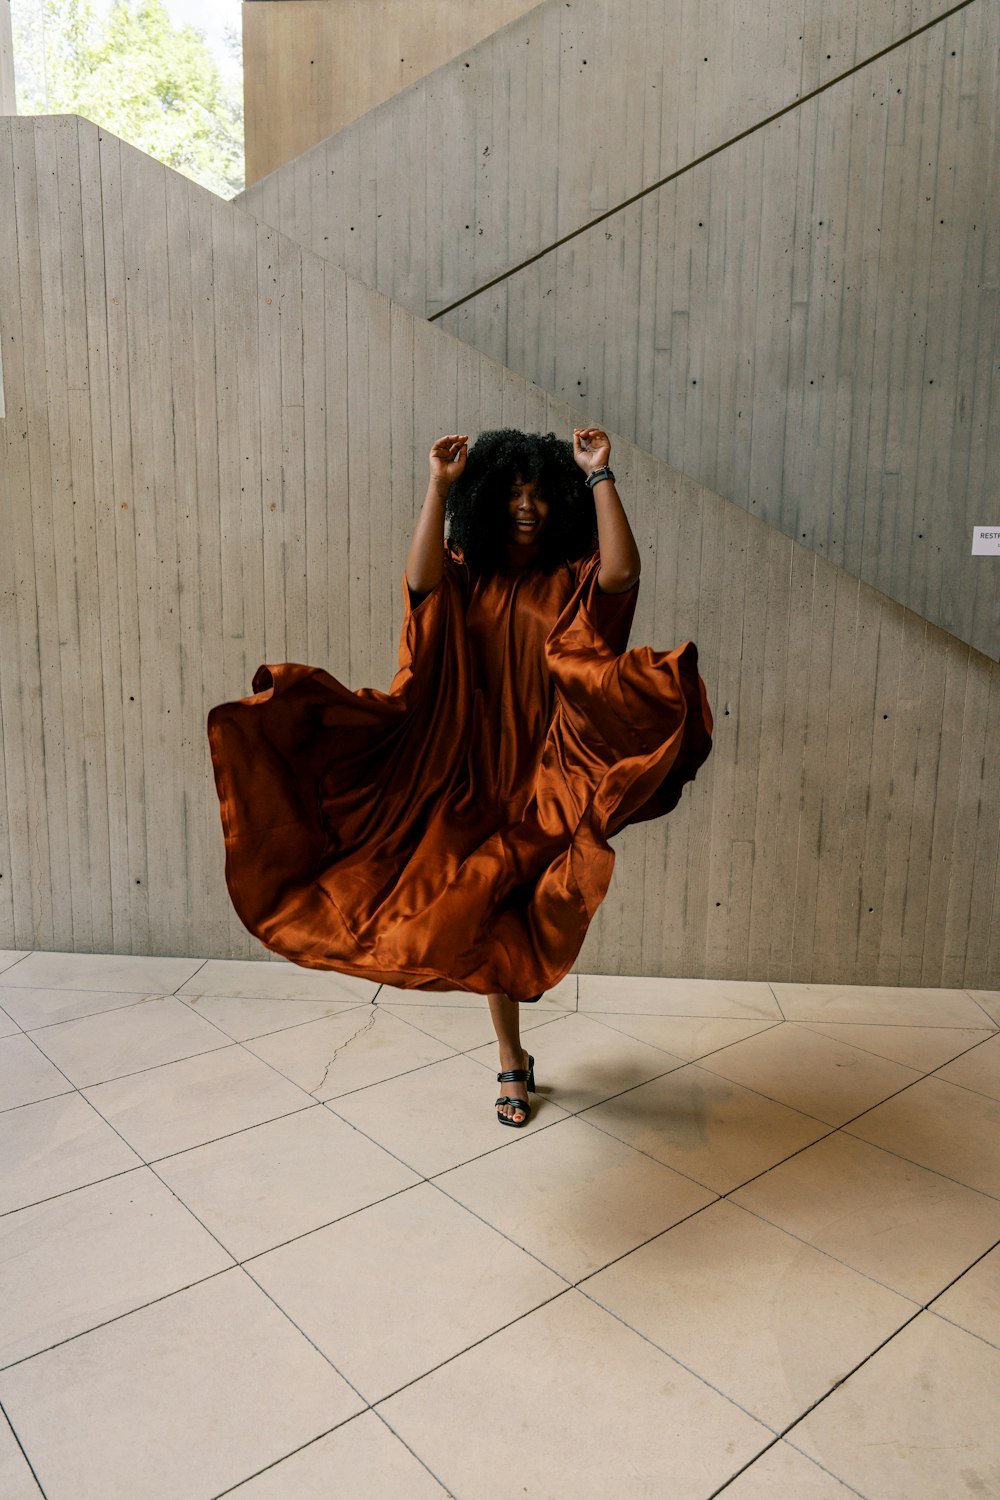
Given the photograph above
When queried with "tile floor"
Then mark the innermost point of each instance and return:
(260, 1236)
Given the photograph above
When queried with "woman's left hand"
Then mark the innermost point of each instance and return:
(591, 448)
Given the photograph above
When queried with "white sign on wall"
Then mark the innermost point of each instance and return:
(986, 541)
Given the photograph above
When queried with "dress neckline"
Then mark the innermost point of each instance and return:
(522, 554)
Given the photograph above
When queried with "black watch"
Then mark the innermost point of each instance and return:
(597, 476)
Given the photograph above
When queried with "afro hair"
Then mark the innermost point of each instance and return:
(477, 503)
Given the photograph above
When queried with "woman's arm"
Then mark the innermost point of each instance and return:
(425, 559)
(620, 560)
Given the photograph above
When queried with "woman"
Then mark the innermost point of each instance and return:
(453, 833)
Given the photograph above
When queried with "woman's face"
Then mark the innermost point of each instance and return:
(528, 511)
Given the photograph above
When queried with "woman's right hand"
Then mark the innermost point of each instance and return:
(447, 459)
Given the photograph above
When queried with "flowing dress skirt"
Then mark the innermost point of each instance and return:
(452, 834)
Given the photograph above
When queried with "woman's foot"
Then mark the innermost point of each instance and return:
(515, 1094)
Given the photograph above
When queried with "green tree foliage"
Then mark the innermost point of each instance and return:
(155, 85)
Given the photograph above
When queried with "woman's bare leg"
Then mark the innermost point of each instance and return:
(506, 1018)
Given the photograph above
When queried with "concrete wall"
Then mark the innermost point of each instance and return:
(214, 449)
(311, 66)
(799, 308)
(8, 104)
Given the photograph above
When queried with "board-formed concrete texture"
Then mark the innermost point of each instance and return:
(311, 66)
(799, 308)
(8, 104)
(214, 450)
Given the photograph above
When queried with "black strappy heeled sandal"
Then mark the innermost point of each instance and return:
(517, 1075)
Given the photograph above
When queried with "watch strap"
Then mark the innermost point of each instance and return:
(598, 475)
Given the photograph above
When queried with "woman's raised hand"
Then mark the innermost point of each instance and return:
(591, 448)
(447, 458)
(425, 559)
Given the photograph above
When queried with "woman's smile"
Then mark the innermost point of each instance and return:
(528, 511)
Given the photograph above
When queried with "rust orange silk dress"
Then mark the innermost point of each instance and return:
(452, 834)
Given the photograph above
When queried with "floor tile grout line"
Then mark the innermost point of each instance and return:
(727, 1197)
(429, 1177)
(226, 1135)
(94, 1014)
(351, 1213)
(308, 1337)
(920, 1312)
(449, 1359)
(779, 1439)
(79, 1188)
(188, 980)
(834, 1129)
(837, 1259)
(465, 1051)
(496, 1230)
(777, 1002)
(149, 1161)
(970, 1267)
(768, 1025)
(982, 1007)
(966, 1087)
(844, 1379)
(913, 1162)
(990, 1026)
(11, 1109)
(921, 1077)
(81, 989)
(686, 1015)
(726, 1046)
(675, 1360)
(374, 1403)
(244, 1044)
(410, 1449)
(127, 1312)
(224, 1046)
(829, 1130)
(344, 1007)
(475, 1344)
(24, 1452)
(99, 1083)
(51, 1064)
(261, 1036)
(972, 1332)
(369, 1411)
(8, 968)
(759, 1092)
(189, 1004)
(593, 1013)
(249, 1478)
(869, 1052)
(893, 1061)
(350, 1093)
(659, 1235)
